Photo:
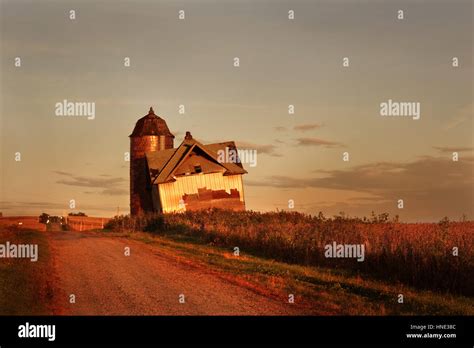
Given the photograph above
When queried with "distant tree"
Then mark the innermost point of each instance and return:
(444, 221)
(77, 214)
(382, 218)
(43, 218)
(342, 216)
(373, 217)
(55, 219)
(321, 216)
(444, 225)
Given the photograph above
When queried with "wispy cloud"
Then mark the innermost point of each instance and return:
(7, 205)
(462, 115)
(452, 149)
(268, 149)
(107, 185)
(307, 127)
(115, 192)
(317, 142)
(35, 208)
(433, 186)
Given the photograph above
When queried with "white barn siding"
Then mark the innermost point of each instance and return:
(172, 192)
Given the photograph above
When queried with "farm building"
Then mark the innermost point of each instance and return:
(190, 177)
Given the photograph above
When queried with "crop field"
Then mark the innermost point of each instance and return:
(432, 256)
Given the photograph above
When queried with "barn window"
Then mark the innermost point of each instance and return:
(198, 169)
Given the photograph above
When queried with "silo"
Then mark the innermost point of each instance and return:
(150, 134)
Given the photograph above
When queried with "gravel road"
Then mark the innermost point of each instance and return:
(104, 281)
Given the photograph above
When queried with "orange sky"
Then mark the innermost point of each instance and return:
(282, 62)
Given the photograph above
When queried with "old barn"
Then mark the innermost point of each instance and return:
(188, 177)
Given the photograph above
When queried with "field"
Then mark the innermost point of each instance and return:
(319, 290)
(416, 254)
(24, 289)
(279, 254)
(24, 222)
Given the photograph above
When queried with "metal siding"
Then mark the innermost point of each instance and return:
(241, 188)
(172, 192)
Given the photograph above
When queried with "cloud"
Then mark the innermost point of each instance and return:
(381, 177)
(299, 128)
(261, 149)
(62, 173)
(376, 199)
(23, 208)
(307, 127)
(463, 114)
(452, 149)
(108, 185)
(21, 204)
(281, 181)
(430, 186)
(91, 182)
(317, 142)
(115, 192)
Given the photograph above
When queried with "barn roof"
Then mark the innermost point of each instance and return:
(163, 164)
(151, 125)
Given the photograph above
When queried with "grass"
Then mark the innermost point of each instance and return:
(24, 285)
(322, 291)
(419, 255)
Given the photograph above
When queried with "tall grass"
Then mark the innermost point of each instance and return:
(417, 254)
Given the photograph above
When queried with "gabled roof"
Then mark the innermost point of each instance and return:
(163, 164)
(195, 163)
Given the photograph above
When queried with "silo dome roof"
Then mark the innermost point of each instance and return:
(151, 124)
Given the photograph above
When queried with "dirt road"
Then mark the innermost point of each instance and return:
(104, 281)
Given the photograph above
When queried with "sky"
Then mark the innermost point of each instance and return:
(283, 62)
